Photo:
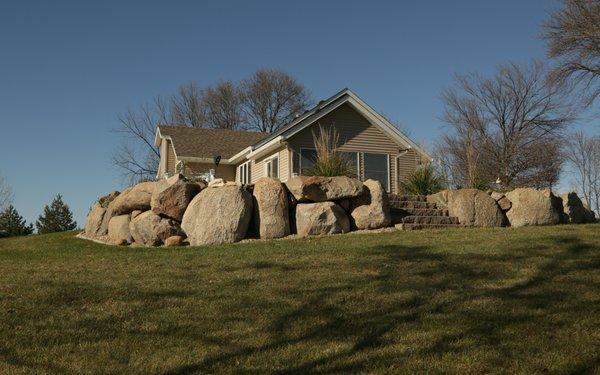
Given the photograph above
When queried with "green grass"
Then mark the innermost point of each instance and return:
(463, 301)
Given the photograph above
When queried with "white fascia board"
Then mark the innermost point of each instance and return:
(240, 156)
(266, 148)
(157, 137)
(192, 159)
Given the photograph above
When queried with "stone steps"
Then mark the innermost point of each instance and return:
(429, 220)
(411, 226)
(412, 204)
(413, 212)
(420, 212)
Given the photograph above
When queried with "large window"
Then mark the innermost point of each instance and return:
(244, 173)
(376, 168)
(309, 155)
(272, 167)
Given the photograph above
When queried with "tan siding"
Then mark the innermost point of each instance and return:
(257, 168)
(224, 171)
(407, 163)
(356, 134)
(284, 164)
(170, 161)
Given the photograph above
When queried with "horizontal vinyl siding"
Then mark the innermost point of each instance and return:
(171, 161)
(356, 134)
(257, 168)
(407, 164)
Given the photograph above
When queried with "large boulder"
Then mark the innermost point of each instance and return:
(134, 198)
(170, 199)
(218, 215)
(152, 230)
(271, 212)
(473, 208)
(118, 230)
(440, 198)
(576, 212)
(371, 210)
(321, 218)
(502, 201)
(321, 189)
(94, 219)
(96, 215)
(533, 207)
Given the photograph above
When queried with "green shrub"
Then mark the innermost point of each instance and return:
(329, 162)
(423, 181)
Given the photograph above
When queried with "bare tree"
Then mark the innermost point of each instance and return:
(222, 106)
(271, 98)
(136, 156)
(573, 38)
(186, 107)
(6, 195)
(583, 154)
(505, 127)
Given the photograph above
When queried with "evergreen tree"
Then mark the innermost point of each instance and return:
(13, 224)
(56, 218)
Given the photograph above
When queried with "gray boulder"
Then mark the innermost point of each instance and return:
(533, 207)
(134, 198)
(271, 211)
(171, 197)
(95, 217)
(152, 230)
(371, 210)
(575, 211)
(218, 215)
(502, 201)
(118, 230)
(474, 208)
(321, 218)
(321, 189)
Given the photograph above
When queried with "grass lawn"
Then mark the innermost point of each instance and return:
(467, 301)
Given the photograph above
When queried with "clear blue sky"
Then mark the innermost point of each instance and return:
(68, 68)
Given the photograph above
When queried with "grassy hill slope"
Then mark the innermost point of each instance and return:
(472, 300)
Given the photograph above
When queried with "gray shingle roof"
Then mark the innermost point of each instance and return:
(207, 143)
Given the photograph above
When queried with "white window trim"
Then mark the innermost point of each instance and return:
(266, 164)
(240, 178)
(314, 149)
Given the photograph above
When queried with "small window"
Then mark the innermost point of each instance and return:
(272, 167)
(244, 173)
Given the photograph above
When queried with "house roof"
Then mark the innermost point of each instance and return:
(208, 143)
(234, 146)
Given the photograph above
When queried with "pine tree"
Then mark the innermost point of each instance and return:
(56, 218)
(13, 224)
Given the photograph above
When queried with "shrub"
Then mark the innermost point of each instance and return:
(423, 181)
(329, 162)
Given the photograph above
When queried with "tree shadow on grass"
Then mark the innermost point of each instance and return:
(441, 287)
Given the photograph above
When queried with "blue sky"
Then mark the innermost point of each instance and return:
(68, 68)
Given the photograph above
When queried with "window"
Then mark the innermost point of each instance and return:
(244, 173)
(376, 168)
(309, 155)
(272, 167)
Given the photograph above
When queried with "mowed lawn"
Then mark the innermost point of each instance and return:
(464, 301)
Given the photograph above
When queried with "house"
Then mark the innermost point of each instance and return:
(377, 148)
